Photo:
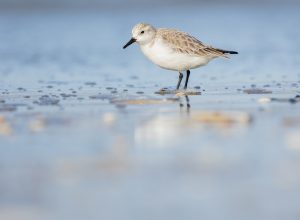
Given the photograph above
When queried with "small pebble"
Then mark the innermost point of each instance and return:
(21, 89)
(90, 83)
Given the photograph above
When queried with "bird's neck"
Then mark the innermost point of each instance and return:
(148, 44)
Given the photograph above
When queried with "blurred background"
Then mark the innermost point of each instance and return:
(119, 4)
(46, 4)
(83, 135)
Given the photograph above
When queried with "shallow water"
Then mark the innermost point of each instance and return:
(83, 135)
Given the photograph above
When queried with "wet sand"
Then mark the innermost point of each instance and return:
(86, 133)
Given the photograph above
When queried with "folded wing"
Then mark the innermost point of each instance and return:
(184, 43)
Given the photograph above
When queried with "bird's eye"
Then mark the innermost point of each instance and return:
(142, 32)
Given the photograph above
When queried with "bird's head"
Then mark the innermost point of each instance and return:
(142, 34)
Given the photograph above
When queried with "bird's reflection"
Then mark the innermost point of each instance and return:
(163, 129)
(184, 104)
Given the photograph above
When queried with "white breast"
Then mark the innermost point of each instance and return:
(162, 55)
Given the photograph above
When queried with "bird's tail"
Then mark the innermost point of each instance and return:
(227, 51)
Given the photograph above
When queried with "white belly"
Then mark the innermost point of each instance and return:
(165, 57)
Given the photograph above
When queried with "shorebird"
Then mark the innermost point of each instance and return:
(173, 49)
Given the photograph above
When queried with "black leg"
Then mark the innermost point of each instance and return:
(179, 80)
(187, 78)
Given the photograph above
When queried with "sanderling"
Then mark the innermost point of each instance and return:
(174, 50)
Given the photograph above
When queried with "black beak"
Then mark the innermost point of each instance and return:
(132, 40)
